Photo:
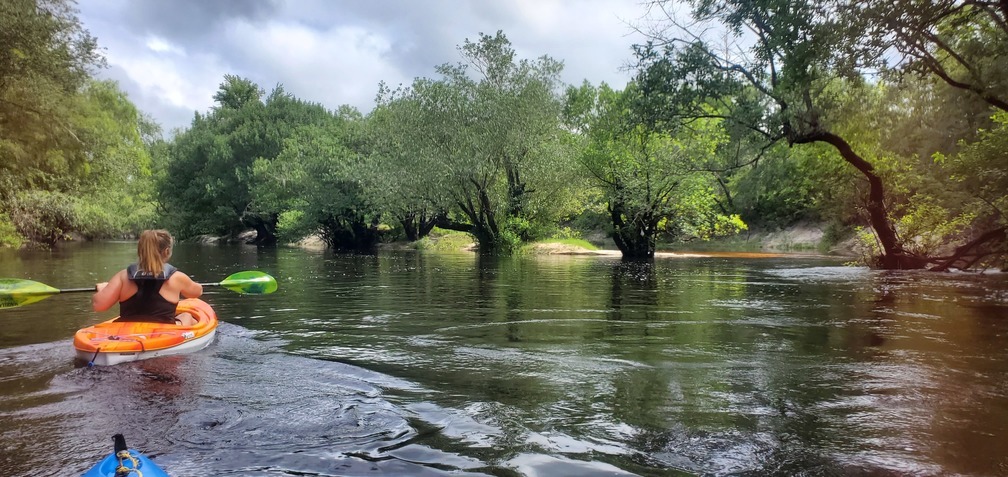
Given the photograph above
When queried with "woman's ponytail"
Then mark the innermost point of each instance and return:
(153, 248)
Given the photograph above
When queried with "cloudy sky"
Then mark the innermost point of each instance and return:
(170, 56)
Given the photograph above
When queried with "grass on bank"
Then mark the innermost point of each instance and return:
(441, 240)
(545, 246)
(573, 242)
(454, 241)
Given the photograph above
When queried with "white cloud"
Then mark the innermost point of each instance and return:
(173, 80)
(336, 53)
(342, 65)
(160, 45)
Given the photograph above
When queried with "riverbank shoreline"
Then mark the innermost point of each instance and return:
(802, 238)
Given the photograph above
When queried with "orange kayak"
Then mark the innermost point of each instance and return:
(113, 342)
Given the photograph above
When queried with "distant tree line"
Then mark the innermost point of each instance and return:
(884, 117)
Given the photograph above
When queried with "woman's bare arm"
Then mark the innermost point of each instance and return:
(187, 287)
(108, 292)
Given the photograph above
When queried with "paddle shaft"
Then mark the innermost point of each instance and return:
(18, 292)
(81, 289)
(91, 289)
(94, 288)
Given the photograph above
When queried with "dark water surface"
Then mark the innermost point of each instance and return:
(448, 364)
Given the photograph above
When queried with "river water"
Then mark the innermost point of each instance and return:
(448, 364)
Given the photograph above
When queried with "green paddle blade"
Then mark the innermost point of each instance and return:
(15, 292)
(252, 283)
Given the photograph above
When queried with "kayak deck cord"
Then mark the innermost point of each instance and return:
(122, 470)
(97, 350)
(143, 349)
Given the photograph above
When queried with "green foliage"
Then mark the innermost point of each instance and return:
(695, 214)
(593, 217)
(961, 44)
(319, 163)
(566, 233)
(116, 188)
(441, 240)
(781, 85)
(395, 175)
(514, 231)
(44, 61)
(927, 227)
(9, 236)
(294, 225)
(573, 242)
(651, 180)
(43, 217)
(489, 147)
(208, 184)
(981, 168)
(802, 62)
(776, 192)
(65, 135)
(237, 92)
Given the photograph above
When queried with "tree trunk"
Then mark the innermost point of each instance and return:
(354, 235)
(484, 225)
(517, 190)
(425, 225)
(265, 231)
(971, 250)
(448, 224)
(410, 227)
(636, 241)
(893, 256)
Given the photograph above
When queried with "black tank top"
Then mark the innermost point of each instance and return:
(147, 304)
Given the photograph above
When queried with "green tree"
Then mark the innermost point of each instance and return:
(962, 43)
(491, 143)
(43, 217)
(108, 194)
(653, 181)
(315, 184)
(980, 168)
(786, 186)
(393, 183)
(208, 186)
(116, 190)
(952, 73)
(781, 86)
(46, 58)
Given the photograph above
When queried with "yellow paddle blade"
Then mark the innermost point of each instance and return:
(15, 292)
(252, 282)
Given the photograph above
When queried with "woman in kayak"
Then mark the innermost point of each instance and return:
(150, 289)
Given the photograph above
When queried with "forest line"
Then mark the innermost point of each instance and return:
(884, 118)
